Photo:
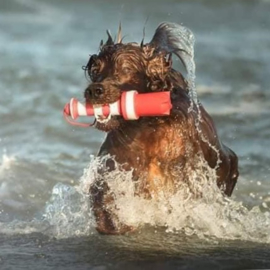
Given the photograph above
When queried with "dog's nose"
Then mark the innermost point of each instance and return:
(94, 91)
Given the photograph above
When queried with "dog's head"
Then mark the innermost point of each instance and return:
(142, 67)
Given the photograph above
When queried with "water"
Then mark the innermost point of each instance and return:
(46, 165)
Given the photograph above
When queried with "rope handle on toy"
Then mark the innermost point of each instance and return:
(70, 120)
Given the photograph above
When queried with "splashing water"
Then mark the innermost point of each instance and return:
(198, 208)
(6, 162)
(189, 39)
(186, 41)
(209, 215)
(68, 212)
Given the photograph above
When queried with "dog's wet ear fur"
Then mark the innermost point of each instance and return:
(174, 38)
(109, 40)
(119, 34)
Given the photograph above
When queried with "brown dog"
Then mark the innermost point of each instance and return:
(154, 148)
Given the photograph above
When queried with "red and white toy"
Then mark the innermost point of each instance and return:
(130, 106)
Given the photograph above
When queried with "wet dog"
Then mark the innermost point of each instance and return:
(160, 151)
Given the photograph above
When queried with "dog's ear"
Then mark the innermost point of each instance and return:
(109, 40)
(119, 34)
(177, 39)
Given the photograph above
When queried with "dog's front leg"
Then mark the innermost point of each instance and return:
(103, 204)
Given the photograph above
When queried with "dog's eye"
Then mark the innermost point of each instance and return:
(93, 67)
(94, 73)
(126, 70)
(91, 62)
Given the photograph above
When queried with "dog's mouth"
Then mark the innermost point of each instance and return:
(106, 119)
(107, 123)
(103, 119)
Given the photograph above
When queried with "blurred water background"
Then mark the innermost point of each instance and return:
(45, 164)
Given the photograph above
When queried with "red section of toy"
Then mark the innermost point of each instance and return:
(131, 106)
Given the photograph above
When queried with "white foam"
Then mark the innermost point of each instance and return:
(210, 216)
(207, 216)
(68, 212)
(6, 163)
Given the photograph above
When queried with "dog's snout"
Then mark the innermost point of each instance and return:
(94, 91)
